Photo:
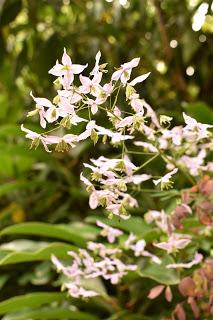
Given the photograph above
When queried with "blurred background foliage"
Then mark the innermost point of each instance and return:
(175, 42)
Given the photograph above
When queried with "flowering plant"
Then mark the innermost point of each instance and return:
(166, 245)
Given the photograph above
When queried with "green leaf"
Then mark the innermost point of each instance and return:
(200, 111)
(62, 232)
(51, 313)
(23, 245)
(31, 300)
(87, 231)
(159, 272)
(58, 249)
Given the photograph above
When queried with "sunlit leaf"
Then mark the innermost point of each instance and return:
(62, 232)
(58, 249)
(159, 272)
(31, 300)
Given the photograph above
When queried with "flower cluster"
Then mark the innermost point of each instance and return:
(183, 148)
(132, 127)
(101, 260)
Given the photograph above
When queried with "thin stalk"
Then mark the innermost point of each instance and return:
(147, 162)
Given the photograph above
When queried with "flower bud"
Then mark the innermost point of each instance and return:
(66, 122)
(165, 119)
(62, 146)
(129, 91)
(35, 143)
(94, 136)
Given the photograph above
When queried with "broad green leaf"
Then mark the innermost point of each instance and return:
(200, 111)
(58, 249)
(62, 232)
(95, 284)
(87, 231)
(31, 300)
(51, 313)
(159, 272)
(23, 245)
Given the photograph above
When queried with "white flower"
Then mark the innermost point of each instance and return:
(139, 79)
(194, 129)
(197, 259)
(109, 232)
(124, 72)
(165, 180)
(175, 242)
(66, 70)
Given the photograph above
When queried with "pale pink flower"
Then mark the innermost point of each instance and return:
(101, 249)
(193, 164)
(85, 181)
(79, 292)
(136, 103)
(175, 242)
(69, 139)
(165, 180)
(137, 178)
(109, 232)
(87, 133)
(95, 70)
(195, 129)
(116, 209)
(93, 104)
(148, 146)
(91, 86)
(105, 92)
(130, 240)
(138, 247)
(197, 259)
(72, 95)
(124, 72)
(92, 127)
(126, 122)
(94, 200)
(116, 137)
(123, 165)
(67, 109)
(149, 132)
(52, 114)
(175, 134)
(35, 137)
(66, 70)
(139, 79)
(151, 113)
(160, 218)
(40, 104)
(139, 250)
(59, 266)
